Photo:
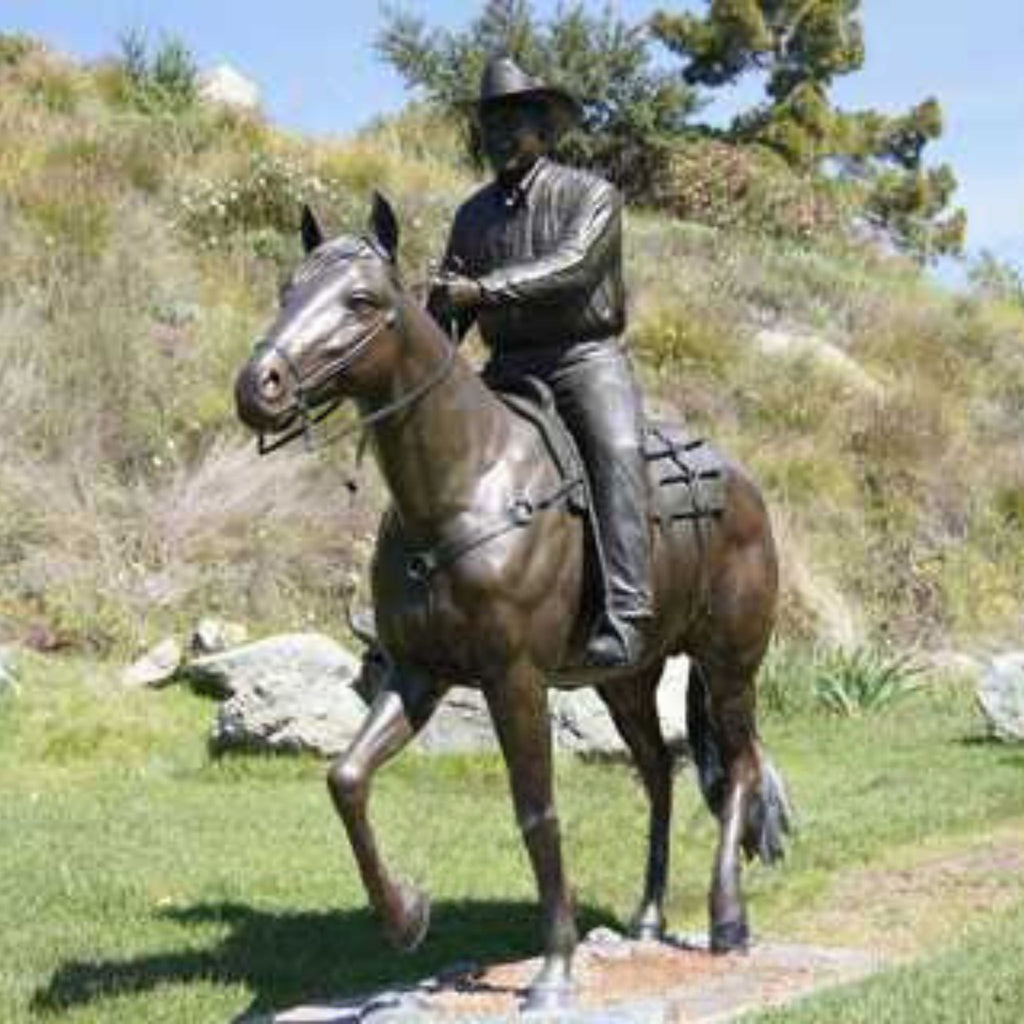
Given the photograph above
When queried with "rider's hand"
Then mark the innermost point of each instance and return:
(456, 291)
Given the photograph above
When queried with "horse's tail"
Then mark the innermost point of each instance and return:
(704, 746)
(769, 813)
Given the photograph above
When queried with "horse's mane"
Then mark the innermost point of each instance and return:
(328, 255)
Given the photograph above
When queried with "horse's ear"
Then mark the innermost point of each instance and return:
(312, 236)
(384, 225)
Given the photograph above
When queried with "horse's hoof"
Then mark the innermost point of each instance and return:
(544, 997)
(551, 990)
(730, 937)
(647, 932)
(648, 926)
(412, 919)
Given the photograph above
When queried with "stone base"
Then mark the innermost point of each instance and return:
(618, 980)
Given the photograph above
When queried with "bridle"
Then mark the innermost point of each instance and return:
(311, 414)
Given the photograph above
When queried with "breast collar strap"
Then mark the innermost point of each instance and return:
(519, 513)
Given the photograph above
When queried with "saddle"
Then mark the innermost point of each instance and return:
(686, 477)
(686, 473)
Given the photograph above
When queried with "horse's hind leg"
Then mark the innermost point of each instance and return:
(723, 735)
(397, 713)
(634, 710)
(518, 706)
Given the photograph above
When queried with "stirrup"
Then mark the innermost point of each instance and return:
(615, 643)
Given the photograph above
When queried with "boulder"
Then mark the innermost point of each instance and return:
(304, 692)
(284, 660)
(318, 715)
(460, 725)
(157, 667)
(1001, 696)
(225, 85)
(286, 693)
(211, 636)
(777, 341)
(580, 722)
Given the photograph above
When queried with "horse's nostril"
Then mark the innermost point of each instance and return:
(270, 383)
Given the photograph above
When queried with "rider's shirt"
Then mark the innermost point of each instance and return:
(547, 256)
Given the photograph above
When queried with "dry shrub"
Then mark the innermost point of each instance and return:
(69, 199)
(48, 81)
(788, 395)
(746, 188)
(916, 335)
(108, 566)
(686, 339)
(808, 470)
(907, 431)
(812, 602)
(14, 48)
(980, 569)
(422, 147)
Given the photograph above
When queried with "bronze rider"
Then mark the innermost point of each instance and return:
(535, 258)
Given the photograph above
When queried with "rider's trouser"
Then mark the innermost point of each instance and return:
(597, 396)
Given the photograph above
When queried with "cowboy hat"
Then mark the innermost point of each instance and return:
(504, 81)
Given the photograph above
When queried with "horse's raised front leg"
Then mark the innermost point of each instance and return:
(634, 710)
(518, 706)
(397, 714)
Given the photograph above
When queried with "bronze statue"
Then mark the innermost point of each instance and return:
(480, 579)
(535, 258)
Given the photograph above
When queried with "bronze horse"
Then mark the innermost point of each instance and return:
(480, 581)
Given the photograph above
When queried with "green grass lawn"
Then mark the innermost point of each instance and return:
(139, 880)
(980, 980)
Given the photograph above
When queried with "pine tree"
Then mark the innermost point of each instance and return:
(800, 47)
(632, 112)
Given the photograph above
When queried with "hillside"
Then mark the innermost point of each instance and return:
(142, 244)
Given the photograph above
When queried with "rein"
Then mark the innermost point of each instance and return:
(310, 416)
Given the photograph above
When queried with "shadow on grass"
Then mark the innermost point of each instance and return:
(1014, 748)
(978, 739)
(285, 959)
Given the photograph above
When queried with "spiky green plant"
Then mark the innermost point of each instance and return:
(864, 680)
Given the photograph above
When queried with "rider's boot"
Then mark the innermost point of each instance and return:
(616, 642)
(619, 492)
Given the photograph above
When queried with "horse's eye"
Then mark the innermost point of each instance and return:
(361, 305)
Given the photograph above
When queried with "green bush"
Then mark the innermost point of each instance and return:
(14, 48)
(166, 81)
(1008, 503)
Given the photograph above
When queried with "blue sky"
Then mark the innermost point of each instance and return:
(315, 65)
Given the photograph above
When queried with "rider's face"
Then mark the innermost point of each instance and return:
(514, 134)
